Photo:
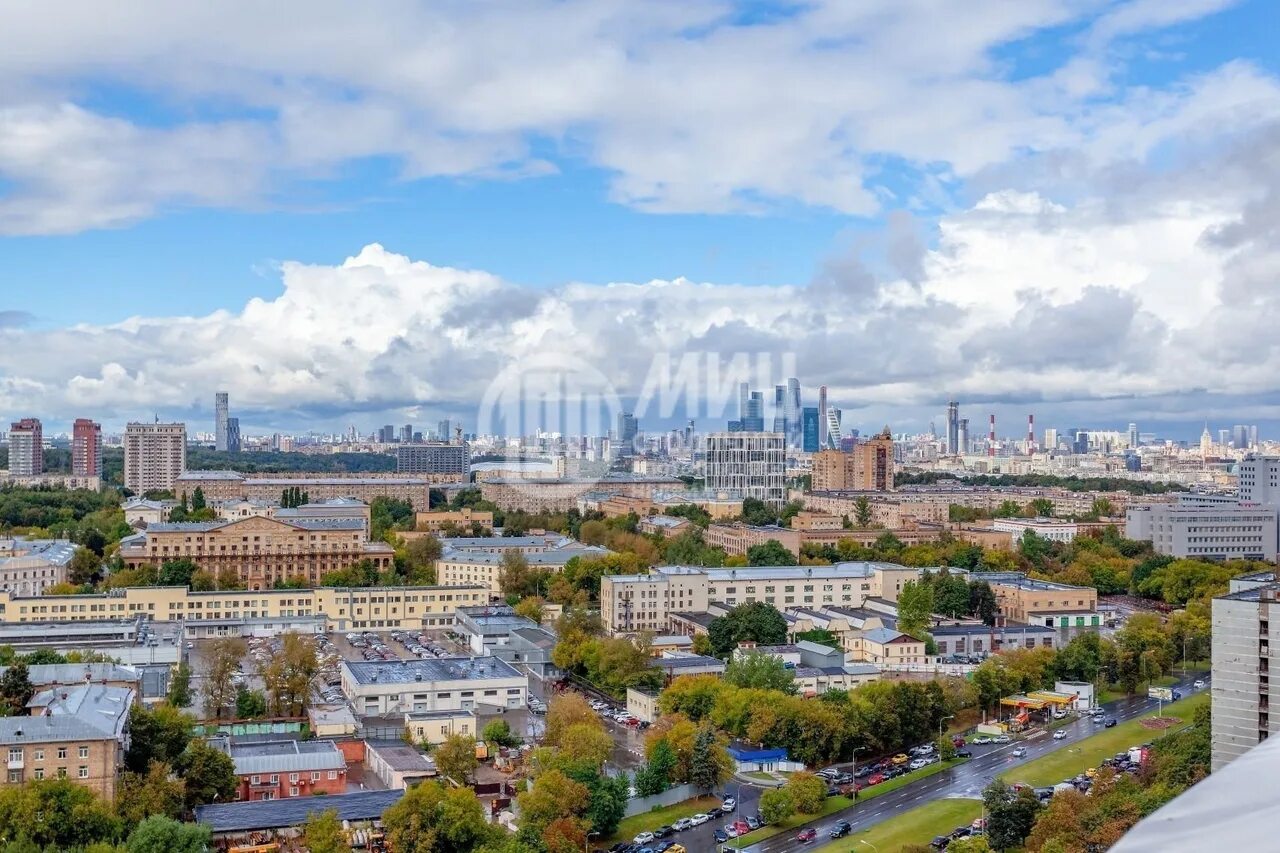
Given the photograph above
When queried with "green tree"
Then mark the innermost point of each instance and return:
(1103, 508)
(1010, 814)
(770, 553)
(197, 500)
(177, 572)
(757, 621)
(208, 773)
(946, 749)
(180, 686)
(56, 813)
(915, 607)
(161, 834)
(756, 669)
(608, 803)
(84, 566)
(821, 636)
(250, 704)
(776, 806)
(807, 791)
(982, 602)
(708, 766)
(1041, 508)
(862, 513)
(432, 819)
(322, 833)
(1008, 509)
(156, 792)
(16, 690)
(156, 734)
(499, 732)
(288, 673)
(757, 513)
(456, 758)
(655, 776)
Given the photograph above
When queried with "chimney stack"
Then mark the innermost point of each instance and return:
(1031, 433)
(991, 437)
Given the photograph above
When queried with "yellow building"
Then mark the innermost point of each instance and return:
(341, 608)
(455, 522)
(259, 550)
(868, 467)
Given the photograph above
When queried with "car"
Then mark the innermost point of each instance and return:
(940, 842)
(916, 763)
(961, 832)
(1019, 752)
(754, 822)
(807, 835)
(662, 832)
(1111, 722)
(682, 824)
(1002, 739)
(875, 779)
(1177, 694)
(699, 819)
(739, 827)
(964, 753)
(714, 811)
(841, 829)
(1198, 683)
(863, 772)
(642, 838)
(828, 773)
(729, 804)
(901, 758)
(721, 836)
(957, 742)
(1060, 734)
(982, 740)
(663, 847)
(931, 759)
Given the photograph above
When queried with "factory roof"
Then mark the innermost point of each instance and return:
(1021, 581)
(884, 635)
(491, 543)
(284, 756)
(77, 673)
(443, 669)
(293, 811)
(401, 757)
(538, 636)
(970, 630)
(56, 551)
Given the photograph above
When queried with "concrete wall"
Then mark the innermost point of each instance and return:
(1235, 677)
(669, 797)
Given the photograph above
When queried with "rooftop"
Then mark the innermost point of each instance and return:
(443, 669)
(100, 706)
(56, 551)
(401, 757)
(77, 673)
(538, 636)
(302, 523)
(970, 630)
(1021, 581)
(293, 811)
(487, 543)
(685, 660)
(19, 730)
(883, 635)
(555, 557)
(287, 756)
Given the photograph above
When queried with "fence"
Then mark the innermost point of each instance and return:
(669, 797)
(241, 729)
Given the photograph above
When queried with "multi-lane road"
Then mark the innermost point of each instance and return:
(964, 780)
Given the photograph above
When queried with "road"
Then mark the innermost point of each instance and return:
(965, 780)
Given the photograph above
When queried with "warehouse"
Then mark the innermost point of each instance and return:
(447, 684)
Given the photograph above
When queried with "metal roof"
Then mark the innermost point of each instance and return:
(225, 818)
(18, 730)
(304, 523)
(422, 671)
(883, 635)
(286, 756)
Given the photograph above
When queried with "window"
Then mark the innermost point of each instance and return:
(62, 772)
(333, 774)
(39, 755)
(275, 778)
(39, 774)
(84, 752)
(293, 792)
(15, 753)
(315, 775)
(84, 772)
(255, 780)
(15, 776)
(62, 752)
(293, 777)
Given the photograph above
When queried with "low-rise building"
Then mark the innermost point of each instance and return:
(469, 564)
(139, 512)
(887, 647)
(560, 495)
(275, 770)
(643, 704)
(445, 684)
(331, 721)
(1207, 531)
(226, 485)
(530, 649)
(676, 664)
(488, 626)
(398, 765)
(983, 640)
(1027, 600)
(435, 727)
(30, 566)
(445, 522)
(1053, 529)
(665, 526)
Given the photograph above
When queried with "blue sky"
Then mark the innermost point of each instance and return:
(878, 166)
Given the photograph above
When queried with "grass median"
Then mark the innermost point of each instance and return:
(918, 826)
(648, 821)
(1080, 756)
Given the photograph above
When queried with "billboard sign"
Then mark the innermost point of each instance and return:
(1164, 694)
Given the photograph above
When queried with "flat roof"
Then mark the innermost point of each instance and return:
(957, 630)
(441, 669)
(288, 756)
(225, 818)
(401, 757)
(304, 523)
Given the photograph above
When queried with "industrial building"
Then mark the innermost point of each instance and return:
(446, 684)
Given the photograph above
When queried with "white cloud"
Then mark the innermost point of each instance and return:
(684, 105)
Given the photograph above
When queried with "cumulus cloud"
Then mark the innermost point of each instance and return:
(113, 113)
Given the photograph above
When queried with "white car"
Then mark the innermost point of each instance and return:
(1198, 683)
(1002, 739)
(1019, 752)
(1060, 734)
(699, 819)
(682, 824)
(729, 804)
(916, 763)
(643, 838)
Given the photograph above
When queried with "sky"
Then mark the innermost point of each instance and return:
(392, 213)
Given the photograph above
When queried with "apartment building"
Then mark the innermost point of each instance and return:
(738, 538)
(445, 684)
(80, 733)
(30, 566)
(223, 612)
(472, 566)
(229, 485)
(278, 770)
(435, 458)
(86, 448)
(26, 448)
(1207, 531)
(867, 467)
(719, 506)
(155, 455)
(1246, 640)
(259, 550)
(750, 464)
(1055, 530)
(1037, 602)
(439, 522)
(631, 603)
(536, 495)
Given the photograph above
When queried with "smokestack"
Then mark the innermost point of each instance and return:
(1031, 433)
(991, 437)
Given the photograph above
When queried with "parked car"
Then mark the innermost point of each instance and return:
(940, 842)
(982, 740)
(916, 763)
(682, 824)
(901, 758)
(841, 829)
(699, 819)
(1002, 739)
(1060, 734)
(729, 804)
(964, 753)
(957, 742)
(714, 811)
(721, 836)
(662, 832)
(642, 838)
(1111, 721)
(807, 835)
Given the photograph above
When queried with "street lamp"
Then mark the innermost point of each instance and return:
(943, 720)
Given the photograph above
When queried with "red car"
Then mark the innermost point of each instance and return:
(875, 779)
(957, 742)
(807, 835)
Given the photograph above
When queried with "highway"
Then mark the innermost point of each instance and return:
(965, 780)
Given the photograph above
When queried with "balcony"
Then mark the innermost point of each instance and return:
(16, 763)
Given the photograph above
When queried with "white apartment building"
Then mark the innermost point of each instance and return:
(1211, 531)
(1052, 529)
(1246, 639)
(30, 566)
(1259, 479)
(630, 603)
(446, 684)
(154, 455)
(751, 464)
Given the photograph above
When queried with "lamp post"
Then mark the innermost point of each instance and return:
(855, 769)
(943, 720)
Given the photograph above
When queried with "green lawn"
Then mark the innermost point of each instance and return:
(835, 804)
(918, 826)
(1070, 760)
(650, 820)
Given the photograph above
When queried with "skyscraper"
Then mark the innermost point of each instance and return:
(953, 428)
(406, 433)
(835, 436)
(444, 431)
(744, 397)
(810, 441)
(1133, 435)
(86, 448)
(233, 435)
(221, 411)
(750, 464)
(753, 420)
(154, 455)
(26, 448)
(780, 409)
(628, 429)
(822, 416)
(791, 411)
(962, 437)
